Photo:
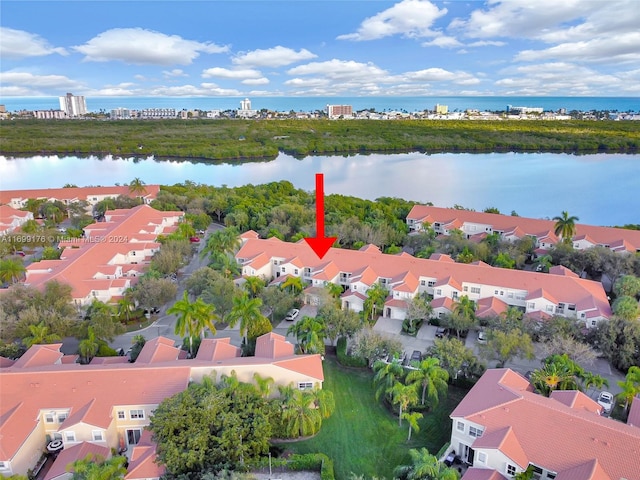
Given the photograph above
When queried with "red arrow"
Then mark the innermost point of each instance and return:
(320, 244)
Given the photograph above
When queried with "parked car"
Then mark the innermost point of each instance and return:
(416, 356)
(292, 315)
(482, 336)
(194, 239)
(605, 400)
(442, 332)
(20, 253)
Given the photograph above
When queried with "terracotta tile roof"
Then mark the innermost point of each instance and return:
(576, 400)
(142, 463)
(490, 307)
(475, 473)
(310, 365)
(6, 362)
(395, 302)
(212, 349)
(159, 349)
(634, 412)
(562, 270)
(77, 452)
(589, 470)
(561, 437)
(528, 226)
(271, 345)
(442, 302)
(504, 440)
(40, 355)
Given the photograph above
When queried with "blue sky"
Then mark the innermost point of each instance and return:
(320, 48)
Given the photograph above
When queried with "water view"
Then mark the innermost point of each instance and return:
(601, 189)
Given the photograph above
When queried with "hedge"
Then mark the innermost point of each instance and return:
(308, 461)
(348, 360)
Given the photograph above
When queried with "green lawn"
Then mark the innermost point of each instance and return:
(362, 436)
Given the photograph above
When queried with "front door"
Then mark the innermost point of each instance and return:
(133, 436)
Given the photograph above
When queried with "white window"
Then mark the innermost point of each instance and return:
(431, 283)
(70, 436)
(482, 458)
(495, 292)
(3, 466)
(305, 385)
(295, 271)
(49, 418)
(475, 290)
(57, 436)
(511, 469)
(423, 282)
(283, 269)
(593, 323)
(475, 432)
(438, 292)
(465, 288)
(136, 414)
(97, 435)
(121, 415)
(62, 417)
(460, 426)
(531, 305)
(549, 308)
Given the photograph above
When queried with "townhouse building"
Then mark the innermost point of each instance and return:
(560, 292)
(477, 225)
(46, 397)
(92, 195)
(109, 257)
(12, 219)
(502, 427)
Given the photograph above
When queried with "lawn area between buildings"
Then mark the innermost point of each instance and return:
(362, 436)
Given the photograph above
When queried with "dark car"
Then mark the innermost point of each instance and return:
(416, 356)
(442, 332)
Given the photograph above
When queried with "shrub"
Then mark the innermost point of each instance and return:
(348, 360)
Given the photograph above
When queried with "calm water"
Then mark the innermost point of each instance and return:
(600, 189)
(308, 104)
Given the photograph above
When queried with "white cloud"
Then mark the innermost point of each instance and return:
(21, 44)
(307, 82)
(410, 18)
(441, 75)
(256, 81)
(176, 72)
(443, 41)
(58, 82)
(235, 74)
(341, 70)
(144, 47)
(205, 89)
(273, 57)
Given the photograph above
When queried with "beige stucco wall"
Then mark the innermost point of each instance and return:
(30, 451)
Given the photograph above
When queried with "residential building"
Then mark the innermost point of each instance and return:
(560, 292)
(107, 404)
(441, 109)
(50, 114)
(12, 219)
(502, 427)
(337, 111)
(523, 110)
(91, 195)
(477, 225)
(245, 110)
(109, 257)
(73, 105)
(120, 114)
(157, 113)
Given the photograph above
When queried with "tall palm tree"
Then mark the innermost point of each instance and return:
(431, 377)
(137, 187)
(193, 318)
(11, 270)
(412, 418)
(376, 296)
(225, 241)
(39, 335)
(263, 384)
(185, 230)
(424, 466)
(89, 346)
(552, 377)
(245, 310)
(565, 226)
(387, 374)
(310, 333)
(630, 386)
(323, 401)
(300, 414)
(403, 396)
(294, 284)
(253, 286)
(334, 290)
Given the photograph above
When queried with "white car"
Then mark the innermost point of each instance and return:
(482, 336)
(292, 315)
(605, 400)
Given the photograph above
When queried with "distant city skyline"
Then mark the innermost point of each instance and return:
(313, 48)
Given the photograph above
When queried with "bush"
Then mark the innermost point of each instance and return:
(348, 360)
(308, 461)
(411, 327)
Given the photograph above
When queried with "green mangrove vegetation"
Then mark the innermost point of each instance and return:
(233, 140)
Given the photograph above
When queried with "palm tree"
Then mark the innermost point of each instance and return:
(294, 284)
(225, 264)
(253, 286)
(387, 374)
(225, 241)
(630, 386)
(554, 376)
(39, 335)
(193, 318)
(11, 270)
(263, 384)
(424, 466)
(97, 468)
(300, 415)
(431, 377)
(412, 418)
(334, 290)
(323, 401)
(310, 333)
(89, 346)
(246, 310)
(376, 296)
(403, 396)
(565, 226)
(125, 304)
(185, 230)
(137, 187)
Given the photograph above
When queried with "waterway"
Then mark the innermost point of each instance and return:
(601, 189)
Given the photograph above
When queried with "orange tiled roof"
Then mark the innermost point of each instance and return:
(69, 455)
(562, 437)
(72, 194)
(142, 464)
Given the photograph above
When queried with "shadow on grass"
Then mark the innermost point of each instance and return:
(362, 436)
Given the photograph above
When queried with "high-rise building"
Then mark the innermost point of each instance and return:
(73, 105)
(335, 111)
(441, 109)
